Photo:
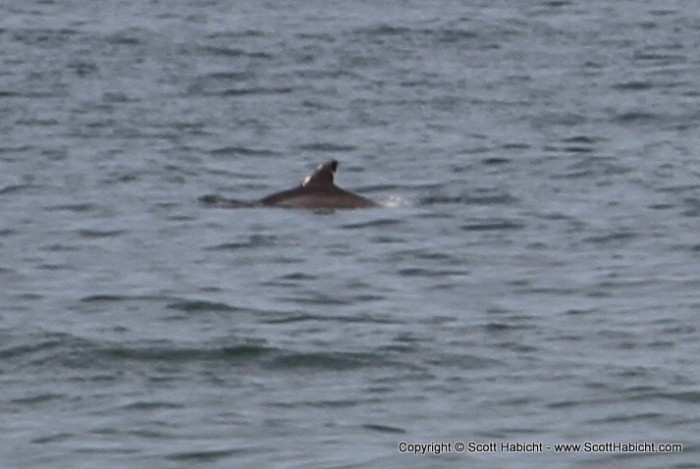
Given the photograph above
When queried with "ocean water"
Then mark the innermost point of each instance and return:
(531, 277)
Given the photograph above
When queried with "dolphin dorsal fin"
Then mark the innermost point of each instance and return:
(323, 176)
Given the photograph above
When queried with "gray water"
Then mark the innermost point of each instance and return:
(532, 274)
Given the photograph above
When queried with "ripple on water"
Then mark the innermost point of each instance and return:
(493, 224)
(207, 456)
(93, 234)
(330, 361)
(195, 306)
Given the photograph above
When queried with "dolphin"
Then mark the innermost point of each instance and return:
(318, 191)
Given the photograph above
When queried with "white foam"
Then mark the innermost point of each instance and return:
(395, 201)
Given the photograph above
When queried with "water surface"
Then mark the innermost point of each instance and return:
(536, 281)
